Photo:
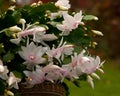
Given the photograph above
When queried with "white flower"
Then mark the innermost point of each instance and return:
(89, 64)
(35, 77)
(86, 64)
(13, 81)
(70, 22)
(29, 31)
(63, 4)
(52, 72)
(32, 54)
(60, 51)
(69, 72)
(3, 71)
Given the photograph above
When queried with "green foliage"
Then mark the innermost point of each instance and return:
(8, 57)
(18, 74)
(2, 87)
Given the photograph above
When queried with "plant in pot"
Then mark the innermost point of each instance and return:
(43, 46)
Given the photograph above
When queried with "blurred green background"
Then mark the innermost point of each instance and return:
(108, 47)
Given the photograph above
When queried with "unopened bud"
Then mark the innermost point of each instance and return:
(15, 29)
(95, 18)
(94, 44)
(101, 70)
(13, 1)
(95, 76)
(22, 21)
(97, 32)
(14, 35)
(9, 93)
(12, 8)
(90, 81)
(40, 2)
(33, 4)
(49, 37)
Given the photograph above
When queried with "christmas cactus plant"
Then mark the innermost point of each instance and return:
(46, 42)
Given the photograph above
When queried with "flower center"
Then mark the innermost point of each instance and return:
(32, 57)
(75, 25)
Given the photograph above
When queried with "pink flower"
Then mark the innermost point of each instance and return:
(33, 55)
(52, 72)
(35, 77)
(85, 64)
(70, 22)
(69, 72)
(60, 51)
(29, 31)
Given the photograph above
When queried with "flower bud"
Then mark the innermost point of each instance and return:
(33, 4)
(97, 32)
(13, 1)
(8, 93)
(22, 21)
(95, 18)
(100, 70)
(12, 8)
(40, 3)
(15, 29)
(95, 76)
(49, 37)
(90, 81)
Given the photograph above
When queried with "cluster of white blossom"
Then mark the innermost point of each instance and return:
(37, 52)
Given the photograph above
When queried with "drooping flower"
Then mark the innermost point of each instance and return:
(69, 72)
(28, 31)
(35, 77)
(86, 64)
(13, 81)
(3, 71)
(89, 64)
(52, 72)
(32, 54)
(70, 22)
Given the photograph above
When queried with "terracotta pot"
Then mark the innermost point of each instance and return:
(44, 89)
